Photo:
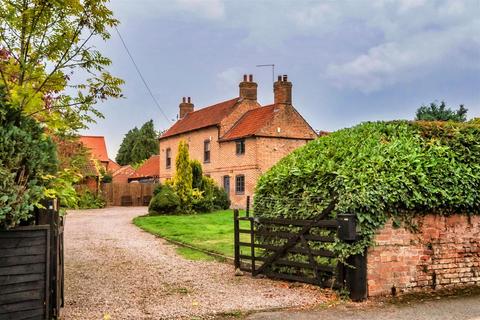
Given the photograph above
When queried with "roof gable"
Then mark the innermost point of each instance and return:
(202, 118)
(250, 123)
(96, 146)
(151, 168)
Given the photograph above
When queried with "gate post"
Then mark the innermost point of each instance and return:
(354, 274)
(236, 228)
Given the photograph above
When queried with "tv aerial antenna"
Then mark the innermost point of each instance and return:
(268, 65)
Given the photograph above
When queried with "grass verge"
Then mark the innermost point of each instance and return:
(210, 231)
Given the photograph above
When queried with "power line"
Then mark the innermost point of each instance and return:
(141, 76)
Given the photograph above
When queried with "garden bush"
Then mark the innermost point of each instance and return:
(27, 158)
(211, 197)
(166, 201)
(157, 189)
(89, 200)
(377, 170)
(221, 201)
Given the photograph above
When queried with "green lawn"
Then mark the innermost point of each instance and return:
(209, 231)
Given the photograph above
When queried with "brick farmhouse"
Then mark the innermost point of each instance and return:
(237, 140)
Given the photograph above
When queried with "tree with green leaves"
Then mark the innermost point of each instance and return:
(183, 179)
(44, 47)
(43, 44)
(138, 145)
(435, 112)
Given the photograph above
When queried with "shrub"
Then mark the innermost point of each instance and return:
(197, 174)
(377, 171)
(89, 200)
(27, 157)
(221, 201)
(157, 189)
(166, 201)
(212, 197)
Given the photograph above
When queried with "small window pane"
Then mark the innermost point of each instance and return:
(168, 158)
(206, 151)
(240, 184)
(240, 146)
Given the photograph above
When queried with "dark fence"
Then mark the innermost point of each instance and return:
(295, 250)
(31, 268)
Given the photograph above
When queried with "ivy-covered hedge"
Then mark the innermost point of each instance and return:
(377, 170)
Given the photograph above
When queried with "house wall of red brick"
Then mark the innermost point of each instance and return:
(288, 123)
(223, 160)
(195, 140)
(445, 253)
(271, 150)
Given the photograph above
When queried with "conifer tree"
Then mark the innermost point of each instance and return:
(183, 178)
(138, 145)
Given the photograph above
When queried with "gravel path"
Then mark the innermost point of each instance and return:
(114, 268)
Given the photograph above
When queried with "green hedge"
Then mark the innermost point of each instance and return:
(378, 170)
(27, 156)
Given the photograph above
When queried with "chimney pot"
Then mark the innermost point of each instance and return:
(282, 91)
(185, 107)
(248, 89)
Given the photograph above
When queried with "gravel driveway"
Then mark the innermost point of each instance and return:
(112, 268)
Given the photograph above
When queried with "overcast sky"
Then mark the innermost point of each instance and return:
(349, 61)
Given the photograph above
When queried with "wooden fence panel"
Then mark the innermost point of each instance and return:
(24, 273)
(128, 194)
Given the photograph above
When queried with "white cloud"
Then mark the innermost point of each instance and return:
(368, 44)
(408, 58)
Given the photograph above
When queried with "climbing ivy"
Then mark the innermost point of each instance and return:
(377, 170)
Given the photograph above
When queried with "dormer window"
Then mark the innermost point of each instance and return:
(240, 146)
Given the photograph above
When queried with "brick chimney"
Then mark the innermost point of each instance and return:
(282, 90)
(248, 88)
(185, 107)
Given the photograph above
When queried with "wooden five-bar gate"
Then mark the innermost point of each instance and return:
(296, 250)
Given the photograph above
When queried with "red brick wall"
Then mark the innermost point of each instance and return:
(288, 123)
(271, 150)
(223, 160)
(444, 253)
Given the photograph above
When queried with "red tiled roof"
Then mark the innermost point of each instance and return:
(250, 123)
(127, 170)
(97, 147)
(202, 118)
(113, 166)
(151, 168)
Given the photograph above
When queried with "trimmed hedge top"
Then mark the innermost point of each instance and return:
(378, 170)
